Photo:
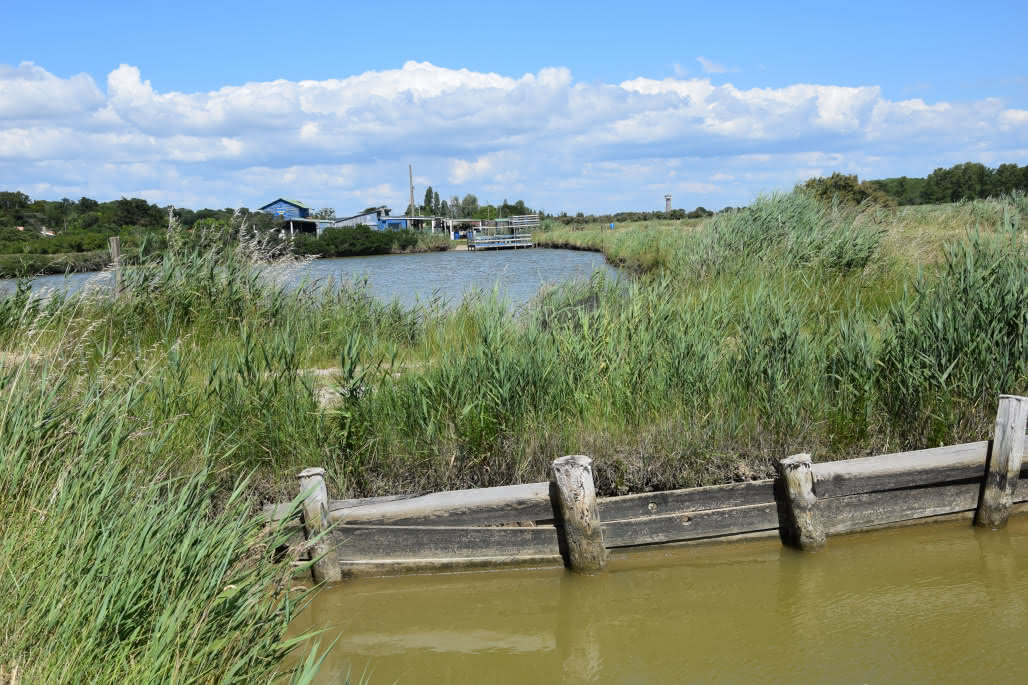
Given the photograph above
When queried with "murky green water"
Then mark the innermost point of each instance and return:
(941, 603)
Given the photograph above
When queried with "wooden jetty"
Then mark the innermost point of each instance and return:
(500, 242)
(563, 521)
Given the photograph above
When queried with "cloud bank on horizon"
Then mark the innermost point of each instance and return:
(542, 137)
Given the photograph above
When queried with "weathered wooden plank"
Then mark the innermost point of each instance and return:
(690, 526)
(504, 504)
(365, 543)
(393, 567)
(275, 512)
(900, 470)
(649, 504)
(364, 501)
(853, 512)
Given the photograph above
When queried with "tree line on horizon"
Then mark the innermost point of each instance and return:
(84, 225)
(966, 181)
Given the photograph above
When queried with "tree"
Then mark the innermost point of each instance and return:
(1008, 177)
(16, 200)
(436, 207)
(469, 206)
(325, 213)
(846, 188)
(135, 212)
(427, 204)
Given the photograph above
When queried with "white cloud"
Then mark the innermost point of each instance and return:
(462, 171)
(29, 92)
(558, 143)
(712, 67)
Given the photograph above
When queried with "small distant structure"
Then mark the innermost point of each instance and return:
(667, 203)
(46, 232)
(380, 219)
(287, 209)
(376, 218)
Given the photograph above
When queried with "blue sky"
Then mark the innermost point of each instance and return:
(570, 106)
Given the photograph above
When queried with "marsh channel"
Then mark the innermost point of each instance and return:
(941, 602)
(517, 275)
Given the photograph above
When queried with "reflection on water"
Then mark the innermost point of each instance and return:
(518, 274)
(935, 603)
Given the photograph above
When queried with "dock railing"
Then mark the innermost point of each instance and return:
(499, 242)
(562, 521)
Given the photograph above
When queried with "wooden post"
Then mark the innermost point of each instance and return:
(315, 521)
(803, 527)
(1004, 463)
(115, 245)
(576, 495)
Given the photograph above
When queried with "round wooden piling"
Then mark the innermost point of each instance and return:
(804, 528)
(315, 521)
(1004, 462)
(576, 495)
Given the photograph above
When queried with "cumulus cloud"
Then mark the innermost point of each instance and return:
(462, 171)
(558, 143)
(29, 92)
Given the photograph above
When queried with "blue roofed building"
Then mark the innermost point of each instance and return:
(287, 209)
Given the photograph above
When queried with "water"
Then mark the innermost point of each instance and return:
(518, 274)
(933, 603)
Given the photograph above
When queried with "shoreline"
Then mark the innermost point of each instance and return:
(14, 266)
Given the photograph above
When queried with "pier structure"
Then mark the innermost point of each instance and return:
(499, 242)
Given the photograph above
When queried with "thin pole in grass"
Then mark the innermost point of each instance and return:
(315, 522)
(1004, 462)
(115, 244)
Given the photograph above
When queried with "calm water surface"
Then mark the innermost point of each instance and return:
(941, 603)
(518, 274)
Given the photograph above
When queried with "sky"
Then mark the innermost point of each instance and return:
(592, 107)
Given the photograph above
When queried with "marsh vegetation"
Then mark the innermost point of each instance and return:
(139, 434)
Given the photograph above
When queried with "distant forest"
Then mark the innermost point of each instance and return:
(967, 181)
(47, 227)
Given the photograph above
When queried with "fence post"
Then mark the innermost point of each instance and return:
(802, 526)
(1004, 463)
(315, 521)
(576, 496)
(115, 244)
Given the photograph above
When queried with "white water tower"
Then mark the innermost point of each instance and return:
(667, 203)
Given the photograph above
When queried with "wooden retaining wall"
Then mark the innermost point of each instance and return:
(529, 525)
